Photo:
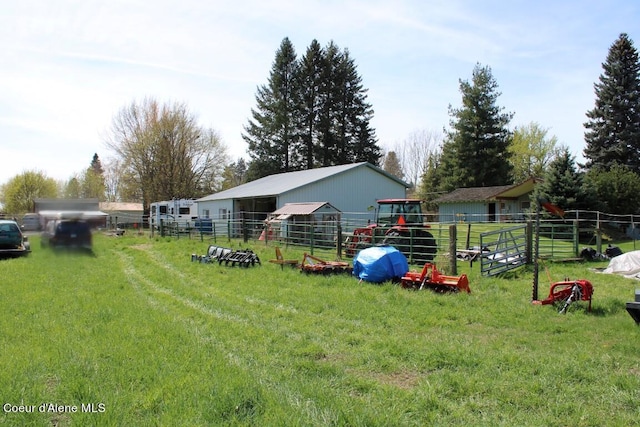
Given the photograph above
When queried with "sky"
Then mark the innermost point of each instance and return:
(67, 67)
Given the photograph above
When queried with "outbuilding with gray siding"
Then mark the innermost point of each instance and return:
(504, 203)
(352, 189)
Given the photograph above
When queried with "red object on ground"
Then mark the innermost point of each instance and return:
(430, 277)
(568, 291)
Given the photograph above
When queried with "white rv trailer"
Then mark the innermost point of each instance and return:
(180, 211)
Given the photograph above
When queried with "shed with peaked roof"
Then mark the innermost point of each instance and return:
(503, 203)
(303, 222)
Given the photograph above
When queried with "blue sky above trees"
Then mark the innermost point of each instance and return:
(68, 67)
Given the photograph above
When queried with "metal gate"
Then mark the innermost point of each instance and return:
(507, 249)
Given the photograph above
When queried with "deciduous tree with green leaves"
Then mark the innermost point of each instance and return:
(476, 149)
(612, 133)
(17, 194)
(616, 189)
(531, 151)
(163, 153)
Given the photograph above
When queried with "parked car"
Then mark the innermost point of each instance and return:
(12, 241)
(67, 233)
(31, 222)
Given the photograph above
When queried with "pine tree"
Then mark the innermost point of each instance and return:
(234, 174)
(430, 181)
(311, 67)
(563, 184)
(327, 139)
(96, 165)
(476, 151)
(392, 165)
(272, 131)
(359, 143)
(612, 133)
(323, 120)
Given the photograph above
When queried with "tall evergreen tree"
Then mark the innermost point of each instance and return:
(392, 165)
(612, 133)
(430, 184)
(476, 151)
(563, 184)
(272, 131)
(358, 140)
(93, 183)
(326, 148)
(311, 66)
(317, 116)
(96, 164)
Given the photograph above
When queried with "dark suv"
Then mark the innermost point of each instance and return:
(67, 233)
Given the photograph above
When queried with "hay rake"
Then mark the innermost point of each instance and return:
(314, 265)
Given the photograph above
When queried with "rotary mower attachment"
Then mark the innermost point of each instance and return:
(311, 264)
(431, 278)
(567, 292)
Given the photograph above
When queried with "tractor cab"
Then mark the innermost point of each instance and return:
(393, 212)
(399, 223)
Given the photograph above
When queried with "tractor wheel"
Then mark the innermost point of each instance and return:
(426, 246)
(395, 239)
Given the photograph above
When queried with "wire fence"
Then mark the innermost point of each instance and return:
(436, 241)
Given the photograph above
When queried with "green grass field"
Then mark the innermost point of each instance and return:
(138, 335)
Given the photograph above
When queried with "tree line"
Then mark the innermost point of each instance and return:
(313, 112)
(480, 150)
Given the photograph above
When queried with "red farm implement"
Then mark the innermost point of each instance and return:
(564, 293)
(431, 278)
(311, 264)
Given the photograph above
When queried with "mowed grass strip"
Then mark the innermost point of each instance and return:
(160, 340)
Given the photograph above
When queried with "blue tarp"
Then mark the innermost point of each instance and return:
(378, 264)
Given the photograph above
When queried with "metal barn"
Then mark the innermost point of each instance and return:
(352, 189)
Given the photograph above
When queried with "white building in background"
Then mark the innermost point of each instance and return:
(352, 188)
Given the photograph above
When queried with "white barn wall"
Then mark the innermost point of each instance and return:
(214, 207)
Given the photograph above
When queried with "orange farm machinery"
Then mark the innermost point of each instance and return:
(398, 223)
(311, 264)
(431, 278)
(564, 293)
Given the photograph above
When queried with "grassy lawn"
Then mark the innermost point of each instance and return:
(139, 335)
